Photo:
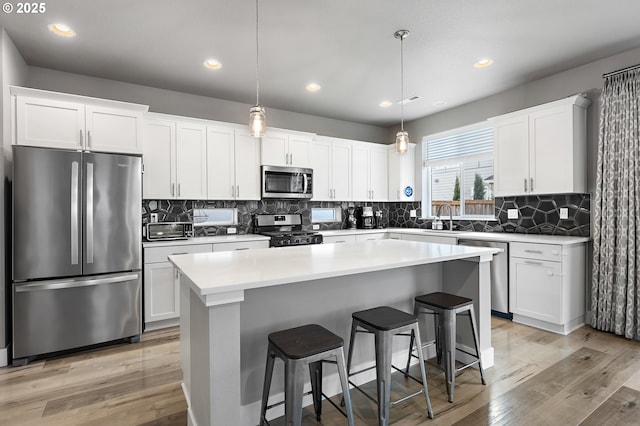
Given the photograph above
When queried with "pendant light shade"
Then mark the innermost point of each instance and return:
(402, 137)
(402, 142)
(257, 117)
(257, 121)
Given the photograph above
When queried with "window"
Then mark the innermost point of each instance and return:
(326, 215)
(215, 217)
(458, 170)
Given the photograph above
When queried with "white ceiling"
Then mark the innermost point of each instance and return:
(347, 46)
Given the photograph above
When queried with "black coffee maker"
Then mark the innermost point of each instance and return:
(364, 217)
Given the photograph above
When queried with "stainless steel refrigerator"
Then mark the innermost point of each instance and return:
(76, 250)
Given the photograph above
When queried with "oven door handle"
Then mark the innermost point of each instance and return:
(306, 183)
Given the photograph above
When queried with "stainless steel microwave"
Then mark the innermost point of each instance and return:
(286, 182)
(160, 231)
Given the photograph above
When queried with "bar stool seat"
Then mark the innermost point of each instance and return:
(309, 345)
(446, 307)
(384, 323)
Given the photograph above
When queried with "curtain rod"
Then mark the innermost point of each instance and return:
(609, 74)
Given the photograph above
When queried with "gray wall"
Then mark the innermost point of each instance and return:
(14, 72)
(171, 102)
(584, 79)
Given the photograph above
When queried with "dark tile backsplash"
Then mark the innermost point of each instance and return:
(538, 214)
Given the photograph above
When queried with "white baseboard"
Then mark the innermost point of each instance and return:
(4, 359)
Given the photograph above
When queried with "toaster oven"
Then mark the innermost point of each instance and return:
(161, 231)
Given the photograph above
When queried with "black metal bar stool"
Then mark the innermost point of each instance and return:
(385, 322)
(309, 345)
(446, 306)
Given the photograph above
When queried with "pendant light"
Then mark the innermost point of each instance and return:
(402, 137)
(257, 119)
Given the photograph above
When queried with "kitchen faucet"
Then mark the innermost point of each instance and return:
(450, 214)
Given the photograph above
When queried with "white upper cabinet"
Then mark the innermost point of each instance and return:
(221, 181)
(331, 164)
(369, 172)
(280, 148)
(233, 164)
(191, 161)
(541, 150)
(402, 173)
(175, 160)
(57, 120)
(159, 151)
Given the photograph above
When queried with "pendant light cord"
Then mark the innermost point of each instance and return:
(402, 83)
(257, 59)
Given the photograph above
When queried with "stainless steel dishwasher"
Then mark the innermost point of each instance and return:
(499, 276)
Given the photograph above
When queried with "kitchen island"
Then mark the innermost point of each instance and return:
(231, 301)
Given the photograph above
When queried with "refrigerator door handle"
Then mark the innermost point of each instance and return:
(73, 284)
(89, 224)
(74, 213)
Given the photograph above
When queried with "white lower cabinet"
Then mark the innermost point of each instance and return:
(350, 238)
(162, 285)
(245, 245)
(430, 239)
(547, 285)
(371, 236)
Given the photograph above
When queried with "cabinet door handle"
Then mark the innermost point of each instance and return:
(237, 191)
(550, 273)
(177, 273)
(525, 184)
(531, 184)
(533, 251)
(81, 139)
(88, 138)
(372, 194)
(233, 190)
(173, 189)
(178, 190)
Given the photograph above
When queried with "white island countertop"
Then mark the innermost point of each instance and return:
(224, 272)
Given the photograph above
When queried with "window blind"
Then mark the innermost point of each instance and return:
(477, 139)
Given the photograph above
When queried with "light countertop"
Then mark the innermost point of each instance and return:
(225, 272)
(484, 236)
(218, 239)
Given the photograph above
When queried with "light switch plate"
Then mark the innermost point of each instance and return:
(316, 227)
(412, 213)
(564, 213)
(512, 213)
(154, 217)
(231, 230)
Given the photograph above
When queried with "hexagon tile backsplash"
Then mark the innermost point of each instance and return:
(537, 214)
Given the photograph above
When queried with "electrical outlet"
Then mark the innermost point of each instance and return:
(512, 213)
(231, 230)
(413, 213)
(316, 227)
(564, 213)
(154, 217)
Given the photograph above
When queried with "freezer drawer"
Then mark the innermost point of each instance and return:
(56, 315)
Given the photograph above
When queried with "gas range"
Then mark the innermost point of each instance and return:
(285, 230)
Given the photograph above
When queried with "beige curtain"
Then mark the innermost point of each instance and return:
(615, 296)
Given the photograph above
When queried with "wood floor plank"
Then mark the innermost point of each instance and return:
(538, 378)
(622, 408)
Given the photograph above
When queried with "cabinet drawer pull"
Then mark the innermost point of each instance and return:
(534, 251)
(242, 248)
(531, 262)
(176, 254)
(341, 241)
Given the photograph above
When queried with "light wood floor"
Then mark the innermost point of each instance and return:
(540, 378)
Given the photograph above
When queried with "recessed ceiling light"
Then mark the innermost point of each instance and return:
(484, 62)
(439, 103)
(313, 87)
(62, 30)
(212, 64)
(385, 104)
